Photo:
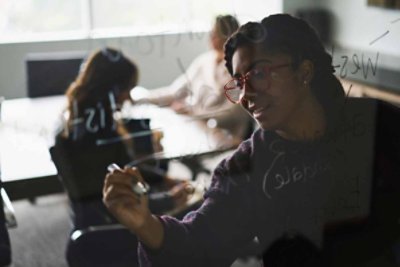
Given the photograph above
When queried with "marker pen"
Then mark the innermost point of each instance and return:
(139, 188)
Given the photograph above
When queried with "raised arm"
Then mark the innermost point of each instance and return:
(210, 236)
(131, 209)
(165, 96)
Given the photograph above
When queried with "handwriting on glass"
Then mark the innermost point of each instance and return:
(360, 64)
(277, 180)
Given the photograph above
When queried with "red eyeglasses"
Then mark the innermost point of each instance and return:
(256, 78)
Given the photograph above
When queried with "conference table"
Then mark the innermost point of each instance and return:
(28, 127)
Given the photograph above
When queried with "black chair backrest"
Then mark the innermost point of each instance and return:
(83, 186)
(51, 73)
(82, 167)
(91, 247)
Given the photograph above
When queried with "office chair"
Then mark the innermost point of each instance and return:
(51, 73)
(102, 246)
(96, 238)
(7, 219)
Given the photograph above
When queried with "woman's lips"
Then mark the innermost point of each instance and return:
(259, 111)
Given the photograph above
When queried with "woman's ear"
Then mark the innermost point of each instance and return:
(306, 71)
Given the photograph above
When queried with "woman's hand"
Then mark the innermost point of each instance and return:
(180, 107)
(181, 192)
(131, 209)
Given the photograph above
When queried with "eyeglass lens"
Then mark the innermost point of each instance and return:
(235, 87)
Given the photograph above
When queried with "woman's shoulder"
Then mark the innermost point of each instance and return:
(208, 55)
(205, 59)
(242, 157)
(237, 168)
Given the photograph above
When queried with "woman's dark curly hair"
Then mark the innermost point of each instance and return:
(282, 33)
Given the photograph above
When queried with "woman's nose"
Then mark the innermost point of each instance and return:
(248, 92)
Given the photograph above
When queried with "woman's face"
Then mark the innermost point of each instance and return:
(278, 95)
(124, 96)
(216, 41)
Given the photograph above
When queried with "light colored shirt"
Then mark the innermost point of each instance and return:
(201, 89)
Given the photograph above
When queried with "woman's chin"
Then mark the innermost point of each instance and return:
(265, 125)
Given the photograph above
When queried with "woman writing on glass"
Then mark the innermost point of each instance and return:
(287, 178)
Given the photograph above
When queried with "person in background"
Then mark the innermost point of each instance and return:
(199, 91)
(296, 175)
(93, 136)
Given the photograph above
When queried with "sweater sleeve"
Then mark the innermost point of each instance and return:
(214, 234)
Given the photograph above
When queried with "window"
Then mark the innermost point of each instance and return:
(157, 16)
(26, 19)
(139, 14)
(59, 19)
